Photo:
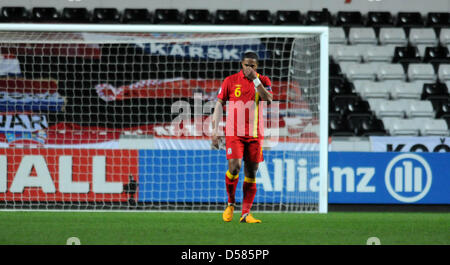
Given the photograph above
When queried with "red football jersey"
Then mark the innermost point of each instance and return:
(244, 108)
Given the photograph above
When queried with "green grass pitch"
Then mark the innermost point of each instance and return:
(206, 228)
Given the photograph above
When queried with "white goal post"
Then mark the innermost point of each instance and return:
(167, 63)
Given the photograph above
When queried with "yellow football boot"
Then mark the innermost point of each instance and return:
(228, 213)
(248, 218)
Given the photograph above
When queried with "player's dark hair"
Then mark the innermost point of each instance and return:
(250, 55)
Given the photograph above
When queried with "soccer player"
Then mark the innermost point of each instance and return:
(243, 131)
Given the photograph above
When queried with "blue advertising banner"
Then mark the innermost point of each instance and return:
(389, 178)
(289, 176)
(199, 176)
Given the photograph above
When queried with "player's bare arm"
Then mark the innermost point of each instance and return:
(217, 115)
(249, 67)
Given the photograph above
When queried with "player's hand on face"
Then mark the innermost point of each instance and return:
(249, 73)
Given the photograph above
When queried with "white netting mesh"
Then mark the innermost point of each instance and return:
(87, 120)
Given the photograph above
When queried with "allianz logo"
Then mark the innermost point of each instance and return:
(407, 177)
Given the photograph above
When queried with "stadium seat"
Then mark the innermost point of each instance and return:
(390, 71)
(346, 104)
(76, 15)
(370, 89)
(372, 127)
(332, 108)
(333, 68)
(197, 16)
(106, 15)
(229, 17)
(421, 48)
(45, 15)
(447, 84)
(436, 55)
(400, 126)
(358, 35)
(379, 19)
(444, 72)
(431, 127)
(438, 19)
(342, 53)
(364, 124)
(427, 36)
(333, 51)
(409, 19)
(360, 106)
(434, 89)
(319, 17)
(259, 17)
(357, 71)
(444, 110)
(441, 105)
(392, 35)
(406, 54)
(349, 19)
(337, 35)
(387, 108)
(339, 104)
(421, 71)
(288, 17)
(340, 86)
(383, 53)
(338, 126)
(368, 53)
(167, 16)
(444, 36)
(418, 108)
(446, 117)
(136, 16)
(15, 14)
(406, 90)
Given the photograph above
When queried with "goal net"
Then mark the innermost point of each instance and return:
(100, 117)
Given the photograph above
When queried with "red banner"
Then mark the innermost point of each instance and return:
(82, 175)
(31, 86)
(54, 49)
(179, 88)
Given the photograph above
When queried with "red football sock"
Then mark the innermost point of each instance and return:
(231, 182)
(249, 189)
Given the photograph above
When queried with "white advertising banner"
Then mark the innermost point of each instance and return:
(410, 144)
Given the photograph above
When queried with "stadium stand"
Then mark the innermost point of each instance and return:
(106, 15)
(337, 36)
(359, 35)
(45, 15)
(349, 19)
(288, 17)
(197, 16)
(322, 17)
(386, 69)
(136, 16)
(401, 127)
(167, 16)
(258, 17)
(391, 35)
(15, 14)
(228, 17)
(406, 54)
(379, 19)
(76, 15)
